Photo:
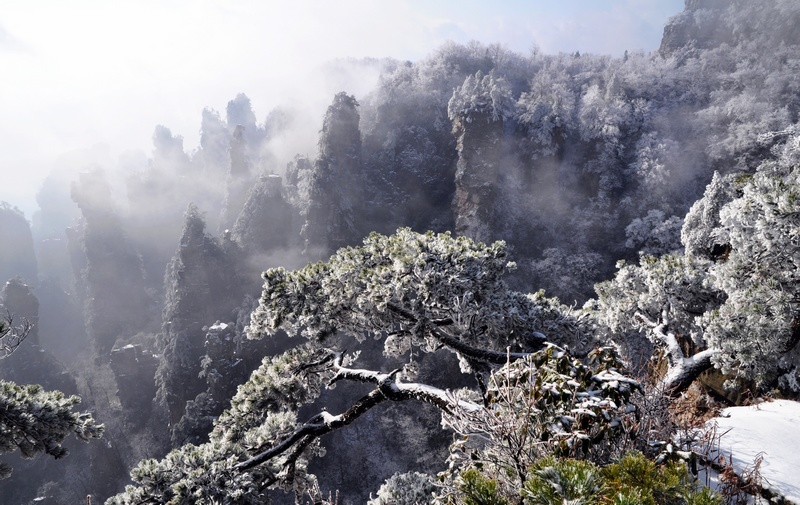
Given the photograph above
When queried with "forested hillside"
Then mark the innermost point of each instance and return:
(648, 207)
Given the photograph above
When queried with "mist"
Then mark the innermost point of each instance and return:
(89, 73)
(158, 157)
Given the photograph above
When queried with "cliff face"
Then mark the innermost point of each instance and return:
(409, 153)
(202, 286)
(700, 26)
(707, 24)
(134, 370)
(479, 111)
(17, 258)
(30, 363)
(334, 194)
(265, 223)
(480, 151)
(117, 303)
(239, 181)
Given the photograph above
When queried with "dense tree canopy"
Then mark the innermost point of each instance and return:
(419, 293)
(731, 297)
(757, 327)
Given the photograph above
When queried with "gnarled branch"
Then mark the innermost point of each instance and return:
(434, 327)
(389, 387)
(682, 370)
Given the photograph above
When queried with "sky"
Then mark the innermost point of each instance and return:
(105, 72)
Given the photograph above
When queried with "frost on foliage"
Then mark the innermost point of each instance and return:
(273, 387)
(655, 163)
(548, 403)
(568, 272)
(602, 117)
(699, 232)
(412, 488)
(654, 234)
(736, 289)
(574, 405)
(547, 110)
(37, 421)
(641, 293)
(401, 286)
(486, 96)
(262, 413)
(757, 327)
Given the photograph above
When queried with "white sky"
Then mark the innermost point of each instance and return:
(81, 72)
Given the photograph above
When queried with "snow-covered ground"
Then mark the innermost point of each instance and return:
(770, 430)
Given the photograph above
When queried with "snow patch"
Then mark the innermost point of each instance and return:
(768, 429)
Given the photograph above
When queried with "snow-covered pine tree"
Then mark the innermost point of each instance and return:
(33, 420)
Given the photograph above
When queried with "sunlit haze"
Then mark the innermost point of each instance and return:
(84, 72)
(212, 212)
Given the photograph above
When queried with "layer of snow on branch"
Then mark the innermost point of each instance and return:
(769, 429)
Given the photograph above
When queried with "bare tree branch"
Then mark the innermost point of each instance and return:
(11, 337)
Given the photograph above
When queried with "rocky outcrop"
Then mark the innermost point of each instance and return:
(54, 264)
(30, 363)
(117, 303)
(17, 258)
(168, 151)
(134, 370)
(409, 161)
(201, 285)
(239, 114)
(61, 324)
(699, 26)
(334, 186)
(265, 223)
(479, 146)
(480, 111)
(223, 370)
(707, 24)
(239, 181)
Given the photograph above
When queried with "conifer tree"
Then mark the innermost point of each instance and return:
(33, 420)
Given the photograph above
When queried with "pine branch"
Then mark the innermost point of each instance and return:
(434, 327)
(388, 388)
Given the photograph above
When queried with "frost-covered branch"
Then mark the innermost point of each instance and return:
(316, 427)
(10, 336)
(389, 387)
(35, 421)
(665, 337)
(395, 390)
(434, 328)
(682, 370)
